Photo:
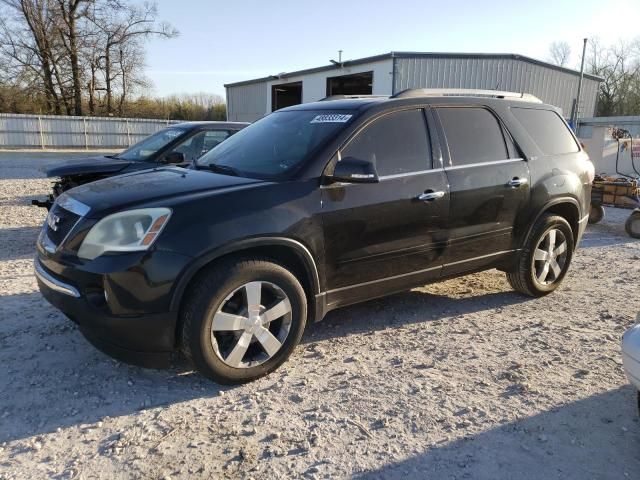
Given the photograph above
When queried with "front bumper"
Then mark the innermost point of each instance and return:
(145, 339)
(631, 354)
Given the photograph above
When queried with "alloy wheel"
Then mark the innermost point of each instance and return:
(550, 257)
(251, 324)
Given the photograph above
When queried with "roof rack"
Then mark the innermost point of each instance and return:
(348, 97)
(464, 92)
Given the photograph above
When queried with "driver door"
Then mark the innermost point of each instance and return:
(384, 237)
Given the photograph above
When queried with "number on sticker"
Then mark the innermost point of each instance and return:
(331, 118)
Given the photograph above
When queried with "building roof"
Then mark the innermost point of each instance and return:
(386, 56)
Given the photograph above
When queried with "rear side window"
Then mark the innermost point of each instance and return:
(473, 135)
(547, 129)
(396, 143)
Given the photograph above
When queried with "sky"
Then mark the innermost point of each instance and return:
(228, 41)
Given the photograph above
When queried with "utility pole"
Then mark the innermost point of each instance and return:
(574, 118)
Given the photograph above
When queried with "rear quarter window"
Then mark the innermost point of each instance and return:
(547, 130)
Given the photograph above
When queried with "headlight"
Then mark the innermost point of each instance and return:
(129, 231)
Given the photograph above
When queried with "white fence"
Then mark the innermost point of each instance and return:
(51, 131)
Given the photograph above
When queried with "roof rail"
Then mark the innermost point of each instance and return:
(347, 97)
(464, 92)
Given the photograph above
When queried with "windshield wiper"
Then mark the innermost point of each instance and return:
(223, 169)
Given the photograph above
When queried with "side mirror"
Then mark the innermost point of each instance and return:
(175, 157)
(354, 170)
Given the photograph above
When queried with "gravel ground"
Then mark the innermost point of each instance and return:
(462, 379)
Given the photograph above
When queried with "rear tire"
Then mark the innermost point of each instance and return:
(545, 259)
(632, 225)
(243, 319)
(596, 214)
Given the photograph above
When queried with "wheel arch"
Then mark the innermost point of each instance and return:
(566, 207)
(289, 252)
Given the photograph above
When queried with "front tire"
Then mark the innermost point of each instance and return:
(243, 319)
(545, 259)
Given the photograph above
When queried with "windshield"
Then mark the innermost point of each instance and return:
(144, 149)
(275, 144)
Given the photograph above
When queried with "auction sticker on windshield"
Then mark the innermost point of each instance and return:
(331, 118)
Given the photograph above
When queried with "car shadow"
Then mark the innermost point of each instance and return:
(23, 200)
(416, 307)
(596, 437)
(18, 243)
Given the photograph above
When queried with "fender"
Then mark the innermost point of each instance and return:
(238, 246)
(544, 208)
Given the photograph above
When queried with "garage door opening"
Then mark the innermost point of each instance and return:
(286, 95)
(356, 84)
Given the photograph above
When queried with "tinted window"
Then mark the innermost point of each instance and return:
(396, 143)
(473, 135)
(141, 151)
(547, 129)
(200, 143)
(277, 143)
(212, 138)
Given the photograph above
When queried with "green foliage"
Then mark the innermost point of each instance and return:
(200, 106)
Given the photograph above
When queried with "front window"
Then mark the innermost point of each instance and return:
(276, 144)
(146, 148)
(200, 143)
(397, 143)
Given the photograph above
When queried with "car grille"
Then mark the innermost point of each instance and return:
(59, 223)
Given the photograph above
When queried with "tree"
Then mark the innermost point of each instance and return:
(70, 12)
(559, 53)
(28, 47)
(78, 56)
(121, 32)
(619, 67)
(70, 51)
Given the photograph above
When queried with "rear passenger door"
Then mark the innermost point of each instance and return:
(489, 187)
(382, 237)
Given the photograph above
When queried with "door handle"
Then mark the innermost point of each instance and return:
(430, 196)
(516, 182)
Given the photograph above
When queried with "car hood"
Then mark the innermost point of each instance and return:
(86, 166)
(150, 186)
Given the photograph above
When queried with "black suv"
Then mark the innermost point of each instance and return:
(309, 209)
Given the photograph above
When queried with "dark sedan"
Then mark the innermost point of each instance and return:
(179, 144)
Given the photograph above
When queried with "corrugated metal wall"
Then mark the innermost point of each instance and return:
(550, 85)
(50, 131)
(246, 103)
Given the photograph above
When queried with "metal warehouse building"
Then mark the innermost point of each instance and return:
(393, 72)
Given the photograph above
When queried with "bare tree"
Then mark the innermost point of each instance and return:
(559, 53)
(121, 31)
(72, 50)
(619, 67)
(28, 43)
(70, 11)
